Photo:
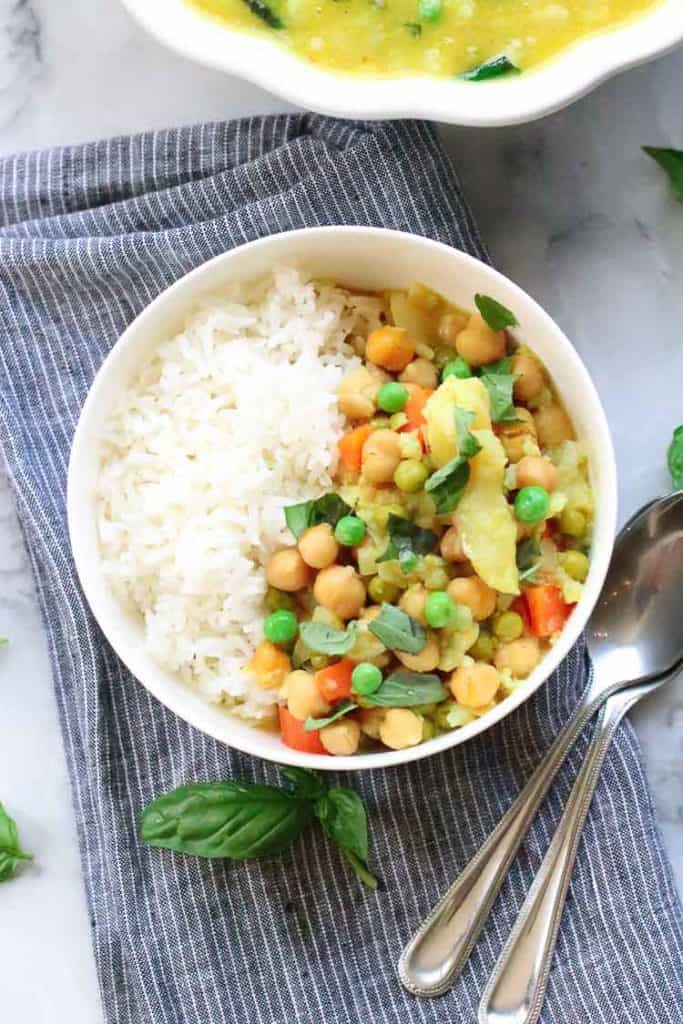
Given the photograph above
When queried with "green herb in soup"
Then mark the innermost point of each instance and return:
(479, 40)
(671, 160)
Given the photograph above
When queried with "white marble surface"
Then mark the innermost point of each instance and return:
(569, 207)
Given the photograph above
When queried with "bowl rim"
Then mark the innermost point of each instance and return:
(200, 713)
(554, 84)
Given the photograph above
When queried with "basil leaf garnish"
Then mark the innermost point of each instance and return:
(500, 387)
(11, 852)
(496, 315)
(404, 689)
(494, 68)
(397, 630)
(265, 12)
(672, 162)
(448, 484)
(528, 558)
(329, 508)
(674, 459)
(406, 540)
(326, 639)
(342, 814)
(311, 724)
(305, 781)
(225, 819)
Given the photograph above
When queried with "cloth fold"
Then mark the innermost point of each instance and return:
(88, 236)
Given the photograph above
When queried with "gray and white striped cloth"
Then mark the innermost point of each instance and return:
(90, 234)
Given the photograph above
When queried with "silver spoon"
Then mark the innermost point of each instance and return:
(634, 636)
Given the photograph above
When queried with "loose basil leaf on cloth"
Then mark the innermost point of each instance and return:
(674, 459)
(11, 852)
(496, 315)
(342, 815)
(672, 162)
(448, 484)
(404, 689)
(328, 508)
(226, 819)
(361, 870)
(306, 782)
(319, 723)
(326, 639)
(407, 542)
(397, 630)
(494, 68)
(265, 12)
(500, 387)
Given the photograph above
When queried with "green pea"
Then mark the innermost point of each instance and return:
(350, 531)
(483, 648)
(573, 522)
(410, 476)
(532, 504)
(439, 609)
(428, 729)
(508, 626)
(319, 661)
(276, 599)
(382, 591)
(429, 10)
(456, 368)
(281, 626)
(392, 397)
(575, 564)
(366, 678)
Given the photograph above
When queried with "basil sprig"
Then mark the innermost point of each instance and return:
(448, 484)
(407, 542)
(326, 639)
(672, 162)
(494, 68)
(674, 459)
(496, 315)
(500, 382)
(328, 508)
(404, 689)
(397, 630)
(11, 853)
(341, 709)
(244, 821)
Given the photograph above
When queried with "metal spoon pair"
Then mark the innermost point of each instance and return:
(635, 640)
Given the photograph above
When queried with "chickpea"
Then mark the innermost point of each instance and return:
(450, 326)
(477, 595)
(357, 393)
(371, 721)
(420, 372)
(537, 471)
(390, 348)
(269, 665)
(476, 685)
(413, 601)
(530, 381)
(514, 436)
(477, 344)
(317, 546)
(286, 570)
(451, 545)
(381, 456)
(520, 657)
(426, 660)
(303, 696)
(341, 738)
(340, 589)
(401, 728)
(553, 425)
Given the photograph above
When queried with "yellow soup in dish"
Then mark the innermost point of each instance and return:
(480, 39)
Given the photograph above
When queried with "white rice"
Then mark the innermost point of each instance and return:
(230, 420)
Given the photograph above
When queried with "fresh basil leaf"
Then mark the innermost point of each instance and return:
(672, 162)
(326, 639)
(342, 815)
(225, 819)
(499, 387)
(397, 630)
(406, 539)
(265, 12)
(328, 508)
(496, 315)
(307, 783)
(494, 68)
(503, 365)
(674, 459)
(528, 553)
(361, 870)
(468, 446)
(404, 689)
(448, 484)
(341, 709)
(11, 852)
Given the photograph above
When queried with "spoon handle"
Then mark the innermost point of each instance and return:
(516, 989)
(438, 951)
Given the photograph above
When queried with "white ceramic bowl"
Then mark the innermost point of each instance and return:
(369, 258)
(507, 101)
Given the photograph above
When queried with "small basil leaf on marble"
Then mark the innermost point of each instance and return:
(496, 315)
(11, 853)
(497, 67)
(671, 160)
(404, 689)
(329, 508)
(326, 639)
(397, 630)
(311, 724)
(674, 459)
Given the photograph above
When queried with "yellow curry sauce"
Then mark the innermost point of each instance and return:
(432, 37)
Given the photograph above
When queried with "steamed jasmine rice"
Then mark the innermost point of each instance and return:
(230, 420)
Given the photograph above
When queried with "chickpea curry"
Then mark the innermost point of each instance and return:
(431, 582)
(476, 39)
